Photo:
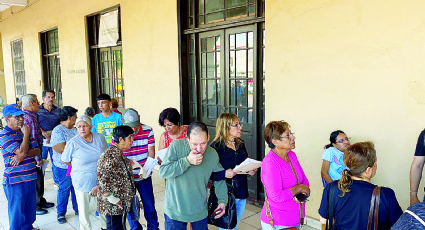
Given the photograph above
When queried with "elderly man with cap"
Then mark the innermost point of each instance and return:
(18, 149)
(83, 152)
(105, 122)
(30, 107)
(143, 147)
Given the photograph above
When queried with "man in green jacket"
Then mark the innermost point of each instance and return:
(187, 166)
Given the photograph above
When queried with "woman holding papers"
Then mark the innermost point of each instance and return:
(232, 152)
(285, 184)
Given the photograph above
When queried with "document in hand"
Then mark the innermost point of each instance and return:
(248, 165)
(161, 153)
(149, 166)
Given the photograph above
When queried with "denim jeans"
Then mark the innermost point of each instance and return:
(115, 222)
(171, 224)
(21, 204)
(65, 188)
(47, 151)
(240, 208)
(146, 194)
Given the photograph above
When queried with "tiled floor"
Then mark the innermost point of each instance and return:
(250, 218)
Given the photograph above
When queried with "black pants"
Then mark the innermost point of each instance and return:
(39, 188)
(115, 222)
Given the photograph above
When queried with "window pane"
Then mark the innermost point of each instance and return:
(232, 61)
(204, 65)
(201, 6)
(212, 112)
(232, 92)
(241, 40)
(204, 91)
(250, 63)
(215, 17)
(232, 3)
(217, 43)
(250, 39)
(210, 44)
(232, 41)
(241, 93)
(250, 93)
(252, 10)
(236, 13)
(210, 65)
(212, 92)
(241, 63)
(217, 66)
(214, 5)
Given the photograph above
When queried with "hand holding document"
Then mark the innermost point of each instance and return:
(248, 165)
(161, 153)
(150, 164)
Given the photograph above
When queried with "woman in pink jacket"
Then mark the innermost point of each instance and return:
(283, 179)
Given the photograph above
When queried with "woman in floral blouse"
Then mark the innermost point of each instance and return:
(116, 185)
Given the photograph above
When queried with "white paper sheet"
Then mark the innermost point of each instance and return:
(248, 165)
(161, 153)
(149, 166)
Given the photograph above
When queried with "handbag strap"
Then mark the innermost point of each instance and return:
(416, 217)
(374, 208)
(329, 221)
(268, 211)
(128, 174)
(298, 182)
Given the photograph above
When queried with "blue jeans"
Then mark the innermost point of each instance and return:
(115, 222)
(146, 194)
(171, 224)
(240, 208)
(21, 200)
(47, 151)
(65, 187)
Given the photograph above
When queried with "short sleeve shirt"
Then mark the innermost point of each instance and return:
(10, 141)
(61, 134)
(335, 157)
(352, 210)
(105, 125)
(143, 139)
(83, 157)
(420, 148)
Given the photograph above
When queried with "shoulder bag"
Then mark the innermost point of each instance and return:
(229, 219)
(374, 208)
(330, 225)
(268, 211)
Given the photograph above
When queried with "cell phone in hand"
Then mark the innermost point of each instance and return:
(301, 197)
(215, 213)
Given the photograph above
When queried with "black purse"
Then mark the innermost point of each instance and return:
(229, 219)
(330, 225)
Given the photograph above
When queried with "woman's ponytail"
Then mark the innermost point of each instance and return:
(345, 182)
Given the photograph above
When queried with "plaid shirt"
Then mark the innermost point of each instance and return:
(30, 119)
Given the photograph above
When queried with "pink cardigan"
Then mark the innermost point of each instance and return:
(277, 177)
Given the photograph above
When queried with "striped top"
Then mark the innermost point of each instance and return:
(10, 141)
(143, 139)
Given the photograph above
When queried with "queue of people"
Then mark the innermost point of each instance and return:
(101, 156)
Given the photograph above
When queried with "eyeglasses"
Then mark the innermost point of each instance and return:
(290, 135)
(347, 139)
(237, 125)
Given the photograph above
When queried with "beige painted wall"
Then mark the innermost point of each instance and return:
(350, 65)
(150, 51)
(2, 84)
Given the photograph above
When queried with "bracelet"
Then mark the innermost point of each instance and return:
(413, 192)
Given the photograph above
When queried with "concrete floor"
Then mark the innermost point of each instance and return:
(250, 219)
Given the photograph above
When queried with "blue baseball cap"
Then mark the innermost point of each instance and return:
(12, 110)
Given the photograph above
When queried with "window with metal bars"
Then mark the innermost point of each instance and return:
(51, 63)
(18, 68)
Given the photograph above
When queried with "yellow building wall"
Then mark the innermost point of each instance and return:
(352, 65)
(2, 84)
(150, 51)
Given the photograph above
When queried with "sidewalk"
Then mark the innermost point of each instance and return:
(250, 218)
